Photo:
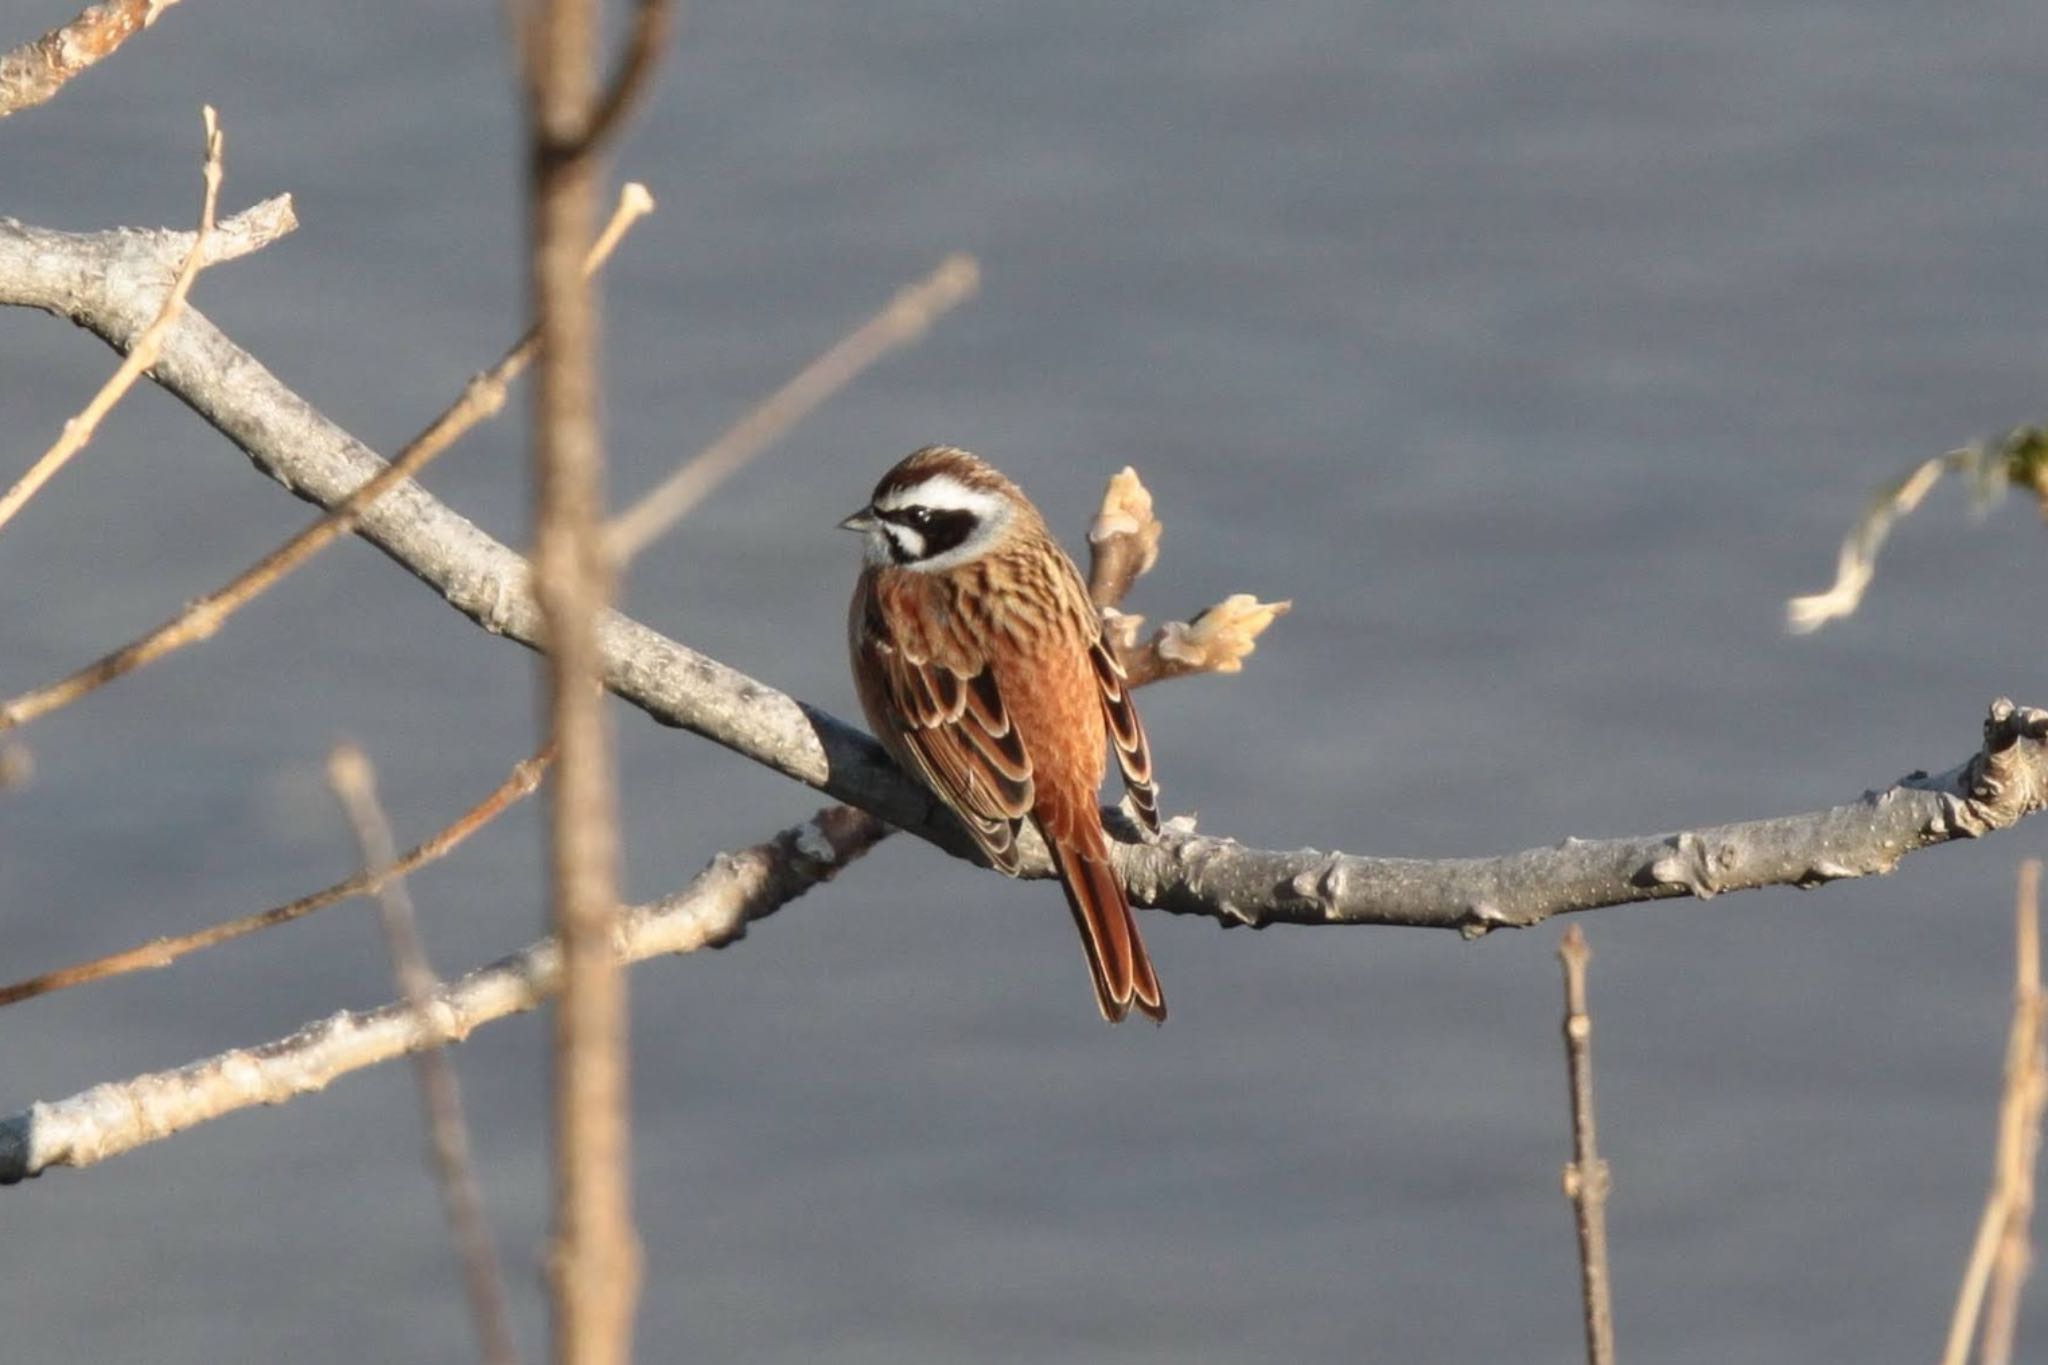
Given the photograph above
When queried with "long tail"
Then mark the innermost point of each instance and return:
(1117, 961)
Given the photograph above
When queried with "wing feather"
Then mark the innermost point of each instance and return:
(954, 730)
(1126, 734)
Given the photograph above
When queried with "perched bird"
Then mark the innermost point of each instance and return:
(980, 662)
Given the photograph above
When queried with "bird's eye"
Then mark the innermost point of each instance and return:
(920, 517)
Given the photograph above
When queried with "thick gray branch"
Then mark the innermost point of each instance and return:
(106, 282)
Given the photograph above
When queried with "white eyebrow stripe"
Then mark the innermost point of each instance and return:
(941, 493)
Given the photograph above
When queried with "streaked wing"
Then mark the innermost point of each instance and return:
(956, 732)
(1126, 734)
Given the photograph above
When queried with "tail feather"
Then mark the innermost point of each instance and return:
(1117, 961)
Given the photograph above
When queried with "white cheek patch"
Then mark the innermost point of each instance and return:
(909, 543)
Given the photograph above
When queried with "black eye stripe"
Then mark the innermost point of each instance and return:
(942, 528)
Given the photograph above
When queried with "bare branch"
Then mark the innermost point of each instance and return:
(2019, 1126)
(35, 72)
(201, 618)
(712, 911)
(594, 1263)
(1586, 1177)
(462, 1200)
(80, 429)
(900, 322)
(2001, 1248)
(161, 952)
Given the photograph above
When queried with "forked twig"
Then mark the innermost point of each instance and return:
(482, 397)
(652, 21)
(902, 320)
(355, 784)
(1586, 1178)
(143, 353)
(1123, 545)
(2000, 1255)
(161, 952)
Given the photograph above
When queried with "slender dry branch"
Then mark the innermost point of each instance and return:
(462, 1201)
(161, 952)
(80, 429)
(594, 1264)
(1181, 871)
(2017, 459)
(2020, 1112)
(1586, 1177)
(35, 72)
(901, 321)
(201, 618)
(2001, 1254)
(713, 910)
(17, 765)
(652, 22)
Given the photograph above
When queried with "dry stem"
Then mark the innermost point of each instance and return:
(462, 1200)
(481, 398)
(594, 1262)
(36, 71)
(1586, 1178)
(2001, 1251)
(80, 429)
(525, 776)
(901, 321)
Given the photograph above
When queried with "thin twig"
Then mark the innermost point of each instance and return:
(652, 21)
(2001, 1247)
(525, 776)
(713, 910)
(594, 1263)
(901, 321)
(1586, 1178)
(35, 72)
(2026, 1093)
(482, 397)
(2017, 459)
(462, 1200)
(142, 355)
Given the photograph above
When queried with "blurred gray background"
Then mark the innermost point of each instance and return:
(1538, 352)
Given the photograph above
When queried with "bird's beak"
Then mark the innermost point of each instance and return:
(863, 520)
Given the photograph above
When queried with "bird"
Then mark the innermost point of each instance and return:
(981, 666)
